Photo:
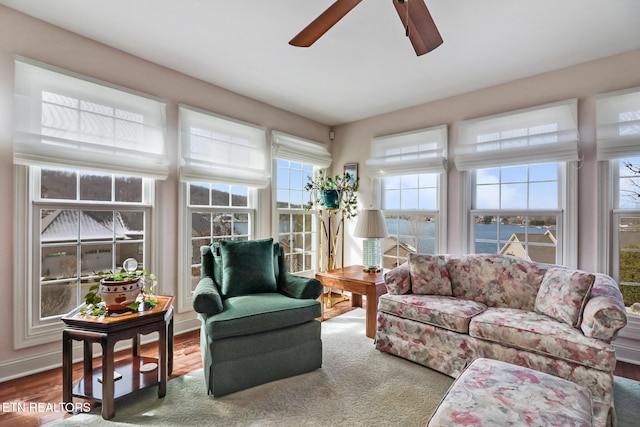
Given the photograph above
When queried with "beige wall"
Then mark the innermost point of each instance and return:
(582, 81)
(25, 36)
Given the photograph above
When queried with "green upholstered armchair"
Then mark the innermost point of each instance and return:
(259, 322)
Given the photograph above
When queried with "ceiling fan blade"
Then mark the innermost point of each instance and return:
(322, 23)
(422, 31)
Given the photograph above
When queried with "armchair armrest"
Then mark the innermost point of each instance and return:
(398, 280)
(206, 298)
(604, 314)
(299, 287)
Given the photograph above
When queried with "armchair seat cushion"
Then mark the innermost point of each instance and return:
(257, 313)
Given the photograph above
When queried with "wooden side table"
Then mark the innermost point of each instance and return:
(99, 384)
(353, 279)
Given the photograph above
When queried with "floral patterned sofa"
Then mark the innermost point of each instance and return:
(444, 311)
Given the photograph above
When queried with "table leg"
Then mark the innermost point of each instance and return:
(162, 360)
(356, 300)
(88, 357)
(136, 345)
(372, 311)
(170, 344)
(67, 367)
(108, 386)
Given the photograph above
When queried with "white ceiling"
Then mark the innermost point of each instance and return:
(364, 65)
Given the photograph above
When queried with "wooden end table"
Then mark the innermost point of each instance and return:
(99, 384)
(353, 279)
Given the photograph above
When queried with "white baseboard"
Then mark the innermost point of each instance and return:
(19, 368)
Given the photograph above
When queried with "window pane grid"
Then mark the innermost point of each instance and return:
(408, 233)
(410, 205)
(79, 238)
(216, 212)
(296, 228)
(627, 225)
(517, 187)
(531, 237)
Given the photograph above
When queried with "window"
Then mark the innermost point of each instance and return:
(521, 208)
(217, 212)
(618, 145)
(516, 211)
(295, 160)
(410, 169)
(224, 162)
(86, 155)
(296, 227)
(86, 222)
(410, 205)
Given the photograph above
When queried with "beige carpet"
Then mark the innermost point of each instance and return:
(356, 386)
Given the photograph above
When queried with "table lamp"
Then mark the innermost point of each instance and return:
(372, 228)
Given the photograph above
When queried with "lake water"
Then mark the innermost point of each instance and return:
(426, 243)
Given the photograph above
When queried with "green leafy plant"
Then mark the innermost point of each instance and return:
(344, 185)
(95, 306)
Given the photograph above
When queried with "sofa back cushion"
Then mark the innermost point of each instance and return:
(563, 294)
(429, 275)
(496, 280)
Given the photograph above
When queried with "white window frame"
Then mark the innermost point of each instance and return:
(300, 150)
(247, 165)
(558, 145)
(290, 212)
(559, 213)
(185, 249)
(30, 329)
(440, 214)
(421, 151)
(34, 146)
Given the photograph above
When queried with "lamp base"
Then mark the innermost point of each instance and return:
(372, 270)
(372, 255)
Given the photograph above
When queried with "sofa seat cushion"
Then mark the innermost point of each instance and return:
(445, 312)
(256, 313)
(541, 334)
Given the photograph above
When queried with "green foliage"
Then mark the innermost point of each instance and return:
(95, 306)
(343, 184)
(630, 294)
(630, 273)
(123, 275)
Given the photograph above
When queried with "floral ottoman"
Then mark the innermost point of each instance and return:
(495, 393)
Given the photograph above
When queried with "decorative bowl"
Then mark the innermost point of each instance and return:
(119, 294)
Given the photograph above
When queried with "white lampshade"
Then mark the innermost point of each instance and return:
(371, 224)
(373, 229)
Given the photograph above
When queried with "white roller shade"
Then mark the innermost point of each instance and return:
(296, 149)
(618, 124)
(542, 134)
(414, 152)
(215, 148)
(67, 120)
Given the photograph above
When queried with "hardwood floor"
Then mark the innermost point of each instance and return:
(46, 387)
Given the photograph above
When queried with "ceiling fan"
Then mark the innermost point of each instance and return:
(415, 17)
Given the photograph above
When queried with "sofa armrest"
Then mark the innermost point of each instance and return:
(206, 298)
(604, 314)
(299, 287)
(398, 280)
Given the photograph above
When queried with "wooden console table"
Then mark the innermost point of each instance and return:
(99, 384)
(353, 279)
